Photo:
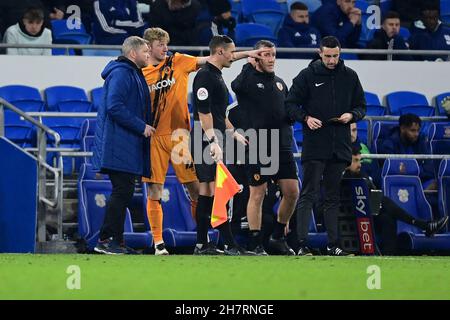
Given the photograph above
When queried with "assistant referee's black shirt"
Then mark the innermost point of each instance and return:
(210, 95)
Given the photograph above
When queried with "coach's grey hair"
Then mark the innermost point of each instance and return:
(132, 43)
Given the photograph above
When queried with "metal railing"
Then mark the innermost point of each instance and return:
(204, 49)
(43, 167)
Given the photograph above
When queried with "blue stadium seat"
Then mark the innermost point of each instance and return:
(404, 32)
(247, 34)
(439, 100)
(298, 134)
(18, 130)
(363, 130)
(366, 33)
(74, 106)
(23, 97)
(88, 127)
(69, 131)
(86, 145)
(61, 32)
(374, 107)
(57, 94)
(236, 10)
(444, 188)
(397, 100)
(385, 6)
(401, 183)
(101, 52)
(380, 131)
(62, 51)
(445, 11)
(362, 5)
(312, 5)
(96, 97)
(93, 190)
(439, 138)
(421, 111)
(268, 12)
(179, 228)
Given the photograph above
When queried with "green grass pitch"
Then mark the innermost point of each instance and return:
(26, 276)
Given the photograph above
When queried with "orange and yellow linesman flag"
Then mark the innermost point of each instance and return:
(226, 188)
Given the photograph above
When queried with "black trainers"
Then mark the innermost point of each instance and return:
(304, 251)
(109, 246)
(280, 247)
(338, 252)
(258, 251)
(435, 226)
(237, 251)
(209, 249)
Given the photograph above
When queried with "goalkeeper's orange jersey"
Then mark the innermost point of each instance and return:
(168, 85)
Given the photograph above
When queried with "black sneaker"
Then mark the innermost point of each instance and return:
(304, 251)
(338, 252)
(209, 249)
(237, 251)
(435, 226)
(280, 247)
(109, 246)
(258, 251)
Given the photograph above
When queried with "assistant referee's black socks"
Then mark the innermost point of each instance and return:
(226, 234)
(278, 230)
(254, 239)
(204, 207)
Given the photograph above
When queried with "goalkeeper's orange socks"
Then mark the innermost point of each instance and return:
(155, 218)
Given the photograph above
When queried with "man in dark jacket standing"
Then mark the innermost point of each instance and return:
(121, 146)
(326, 97)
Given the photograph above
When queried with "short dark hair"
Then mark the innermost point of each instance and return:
(431, 6)
(219, 41)
(34, 14)
(408, 119)
(329, 42)
(299, 6)
(391, 15)
(264, 44)
(356, 149)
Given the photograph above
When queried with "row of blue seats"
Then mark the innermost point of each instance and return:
(74, 99)
(401, 185)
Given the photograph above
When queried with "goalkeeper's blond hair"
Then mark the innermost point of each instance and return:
(154, 34)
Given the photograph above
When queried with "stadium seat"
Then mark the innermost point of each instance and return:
(101, 52)
(397, 100)
(380, 131)
(312, 5)
(439, 138)
(374, 107)
(88, 127)
(23, 97)
(236, 10)
(440, 100)
(69, 131)
(401, 183)
(57, 94)
(268, 12)
(385, 6)
(179, 228)
(444, 188)
(363, 131)
(404, 32)
(86, 145)
(366, 33)
(247, 34)
(96, 97)
(19, 130)
(445, 11)
(362, 5)
(298, 134)
(61, 32)
(93, 190)
(421, 111)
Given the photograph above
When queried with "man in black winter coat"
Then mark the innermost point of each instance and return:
(326, 97)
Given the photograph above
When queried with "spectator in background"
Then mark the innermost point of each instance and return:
(390, 212)
(29, 30)
(116, 20)
(430, 34)
(368, 166)
(178, 18)
(296, 32)
(341, 20)
(409, 10)
(407, 139)
(388, 37)
(220, 22)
